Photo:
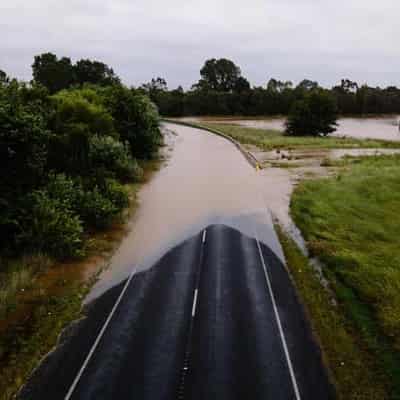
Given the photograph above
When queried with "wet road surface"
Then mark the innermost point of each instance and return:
(215, 318)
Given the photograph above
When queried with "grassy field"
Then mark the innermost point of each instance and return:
(39, 297)
(272, 139)
(352, 224)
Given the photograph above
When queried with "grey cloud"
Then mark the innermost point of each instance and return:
(287, 39)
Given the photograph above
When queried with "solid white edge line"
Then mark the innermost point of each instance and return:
(278, 320)
(194, 303)
(97, 341)
(204, 235)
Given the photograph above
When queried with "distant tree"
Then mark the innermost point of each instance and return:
(241, 85)
(348, 86)
(220, 75)
(276, 86)
(95, 72)
(306, 84)
(313, 115)
(3, 77)
(53, 73)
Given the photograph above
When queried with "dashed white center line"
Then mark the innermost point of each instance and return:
(204, 236)
(194, 303)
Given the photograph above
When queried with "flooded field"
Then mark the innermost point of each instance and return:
(373, 128)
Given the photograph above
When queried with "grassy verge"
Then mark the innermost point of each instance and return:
(352, 224)
(39, 297)
(268, 139)
(353, 369)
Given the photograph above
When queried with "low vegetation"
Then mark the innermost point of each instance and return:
(351, 223)
(267, 139)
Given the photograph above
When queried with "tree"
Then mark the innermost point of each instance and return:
(95, 72)
(313, 115)
(3, 77)
(306, 84)
(136, 119)
(53, 73)
(241, 85)
(276, 86)
(220, 75)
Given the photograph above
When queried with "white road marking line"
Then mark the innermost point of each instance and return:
(194, 303)
(278, 320)
(204, 235)
(97, 341)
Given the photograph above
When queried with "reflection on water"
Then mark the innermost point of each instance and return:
(375, 128)
(206, 181)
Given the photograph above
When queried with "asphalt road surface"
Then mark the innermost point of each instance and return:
(216, 317)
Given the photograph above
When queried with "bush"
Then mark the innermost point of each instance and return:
(66, 191)
(50, 227)
(113, 156)
(97, 211)
(136, 119)
(117, 194)
(314, 115)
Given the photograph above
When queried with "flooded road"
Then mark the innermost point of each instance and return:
(386, 128)
(205, 181)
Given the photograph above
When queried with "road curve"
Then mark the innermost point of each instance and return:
(202, 323)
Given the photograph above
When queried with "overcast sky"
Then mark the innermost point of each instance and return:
(322, 40)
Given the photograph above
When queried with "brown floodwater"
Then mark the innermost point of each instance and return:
(386, 128)
(205, 180)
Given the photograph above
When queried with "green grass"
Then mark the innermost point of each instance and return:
(352, 224)
(355, 373)
(268, 139)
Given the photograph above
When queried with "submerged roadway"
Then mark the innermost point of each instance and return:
(212, 315)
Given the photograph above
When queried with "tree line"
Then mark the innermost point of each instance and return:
(69, 140)
(222, 90)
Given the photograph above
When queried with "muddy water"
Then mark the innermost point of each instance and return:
(205, 181)
(374, 128)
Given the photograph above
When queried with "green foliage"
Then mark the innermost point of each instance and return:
(60, 151)
(49, 227)
(95, 72)
(114, 158)
(53, 73)
(97, 210)
(314, 115)
(57, 74)
(117, 194)
(221, 75)
(136, 120)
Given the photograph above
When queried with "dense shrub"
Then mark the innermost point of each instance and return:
(136, 120)
(117, 194)
(315, 114)
(114, 157)
(62, 156)
(50, 227)
(97, 211)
